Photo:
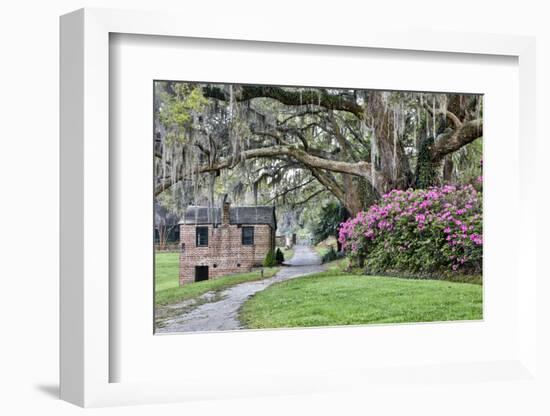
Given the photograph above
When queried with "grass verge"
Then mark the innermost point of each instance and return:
(338, 298)
(168, 291)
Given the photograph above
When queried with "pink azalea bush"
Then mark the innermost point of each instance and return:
(419, 231)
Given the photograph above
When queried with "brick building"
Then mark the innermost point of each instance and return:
(215, 242)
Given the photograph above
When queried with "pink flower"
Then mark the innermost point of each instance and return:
(409, 216)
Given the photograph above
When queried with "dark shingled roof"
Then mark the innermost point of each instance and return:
(237, 215)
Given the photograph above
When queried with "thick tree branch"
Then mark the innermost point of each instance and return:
(329, 182)
(300, 114)
(452, 141)
(347, 150)
(318, 97)
(361, 168)
(449, 114)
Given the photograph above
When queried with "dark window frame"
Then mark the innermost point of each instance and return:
(249, 239)
(198, 239)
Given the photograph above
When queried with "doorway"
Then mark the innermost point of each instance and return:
(201, 273)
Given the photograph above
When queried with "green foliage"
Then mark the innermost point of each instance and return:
(330, 217)
(177, 108)
(323, 247)
(339, 298)
(168, 201)
(436, 231)
(279, 256)
(330, 255)
(467, 162)
(270, 260)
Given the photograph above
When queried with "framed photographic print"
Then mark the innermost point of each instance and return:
(237, 211)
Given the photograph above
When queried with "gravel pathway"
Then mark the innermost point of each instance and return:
(222, 315)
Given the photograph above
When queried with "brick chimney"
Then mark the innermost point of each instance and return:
(225, 212)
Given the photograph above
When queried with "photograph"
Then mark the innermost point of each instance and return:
(303, 206)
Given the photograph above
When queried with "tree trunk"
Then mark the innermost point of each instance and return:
(426, 168)
(448, 168)
(392, 162)
(358, 195)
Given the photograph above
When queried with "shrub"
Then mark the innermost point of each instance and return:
(270, 260)
(330, 255)
(279, 256)
(431, 230)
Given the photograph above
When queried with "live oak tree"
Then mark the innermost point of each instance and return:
(295, 145)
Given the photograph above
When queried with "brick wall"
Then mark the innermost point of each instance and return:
(225, 253)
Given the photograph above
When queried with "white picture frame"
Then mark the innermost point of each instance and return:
(86, 356)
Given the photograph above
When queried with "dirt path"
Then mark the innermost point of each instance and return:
(222, 315)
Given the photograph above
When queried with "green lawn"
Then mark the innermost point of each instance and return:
(168, 291)
(337, 298)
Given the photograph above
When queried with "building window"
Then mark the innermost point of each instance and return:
(248, 236)
(202, 237)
